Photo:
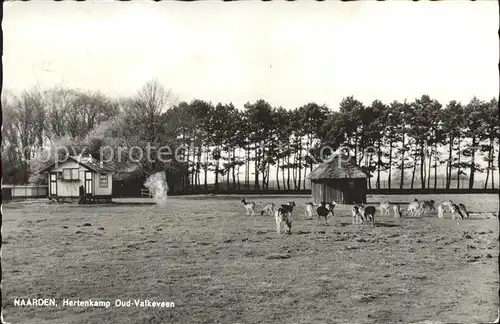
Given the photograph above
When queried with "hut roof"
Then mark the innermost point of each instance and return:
(88, 162)
(336, 168)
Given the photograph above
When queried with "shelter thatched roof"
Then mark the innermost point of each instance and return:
(337, 168)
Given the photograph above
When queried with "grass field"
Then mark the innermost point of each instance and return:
(220, 266)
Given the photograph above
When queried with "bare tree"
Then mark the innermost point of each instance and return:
(28, 123)
(142, 122)
(92, 108)
(59, 101)
(11, 147)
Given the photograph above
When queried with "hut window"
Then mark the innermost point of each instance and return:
(70, 174)
(103, 180)
(59, 175)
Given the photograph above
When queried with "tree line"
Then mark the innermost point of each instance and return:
(242, 147)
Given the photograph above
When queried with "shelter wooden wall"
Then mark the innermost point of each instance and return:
(320, 191)
(343, 191)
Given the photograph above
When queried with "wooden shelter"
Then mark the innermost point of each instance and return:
(338, 179)
(66, 177)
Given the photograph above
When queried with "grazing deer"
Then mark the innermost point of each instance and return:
(268, 209)
(331, 205)
(397, 211)
(447, 205)
(249, 206)
(283, 216)
(384, 208)
(309, 209)
(463, 210)
(455, 210)
(369, 214)
(440, 211)
(357, 216)
(414, 209)
(428, 204)
(289, 207)
(323, 211)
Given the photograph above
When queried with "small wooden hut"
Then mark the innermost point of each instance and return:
(66, 177)
(338, 179)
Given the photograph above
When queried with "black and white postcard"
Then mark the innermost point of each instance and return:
(250, 162)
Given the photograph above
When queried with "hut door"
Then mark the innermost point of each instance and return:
(88, 182)
(53, 184)
(350, 192)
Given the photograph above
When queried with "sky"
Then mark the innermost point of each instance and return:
(286, 53)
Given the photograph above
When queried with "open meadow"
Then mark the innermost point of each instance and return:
(219, 265)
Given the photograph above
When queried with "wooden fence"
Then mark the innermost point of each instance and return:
(455, 187)
(135, 189)
(10, 192)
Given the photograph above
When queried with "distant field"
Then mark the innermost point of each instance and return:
(219, 265)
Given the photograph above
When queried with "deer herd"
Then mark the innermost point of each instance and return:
(360, 214)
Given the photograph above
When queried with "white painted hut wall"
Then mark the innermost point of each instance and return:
(67, 188)
(97, 188)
